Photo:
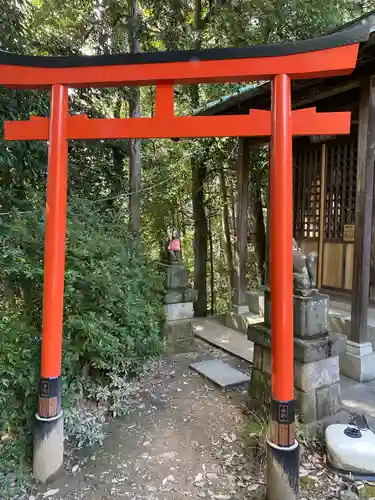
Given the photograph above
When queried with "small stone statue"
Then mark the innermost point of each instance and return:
(304, 269)
(174, 247)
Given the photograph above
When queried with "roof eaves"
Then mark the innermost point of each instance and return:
(250, 91)
(242, 95)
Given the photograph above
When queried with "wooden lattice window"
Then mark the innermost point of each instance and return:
(340, 192)
(306, 184)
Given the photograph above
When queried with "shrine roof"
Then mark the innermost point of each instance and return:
(245, 95)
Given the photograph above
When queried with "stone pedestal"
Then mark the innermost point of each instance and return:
(242, 309)
(358, 362)
(316, 358)
(255, 301)
(178, 300)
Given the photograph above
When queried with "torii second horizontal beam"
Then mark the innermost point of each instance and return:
(256, 124)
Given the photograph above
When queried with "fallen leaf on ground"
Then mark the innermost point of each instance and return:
(50, 493)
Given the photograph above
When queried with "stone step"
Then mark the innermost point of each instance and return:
(227, 339)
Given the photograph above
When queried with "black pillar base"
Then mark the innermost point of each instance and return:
(48, 431)
(283, 472)
(48, 447)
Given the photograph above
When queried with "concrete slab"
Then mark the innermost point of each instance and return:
(220, 373)
(225, 338)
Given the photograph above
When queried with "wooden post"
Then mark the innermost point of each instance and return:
(364, 212)
(321, 214)
(239, 303)
(372, 142)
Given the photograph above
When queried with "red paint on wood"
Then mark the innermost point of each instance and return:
(54, 257)
(316, 64)
(165, 125)
(281, 235)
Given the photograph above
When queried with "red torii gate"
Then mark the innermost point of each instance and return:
(327, 56)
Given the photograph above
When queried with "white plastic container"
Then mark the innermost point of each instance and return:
(348, 453)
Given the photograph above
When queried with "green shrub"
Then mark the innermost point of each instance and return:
(112, 314)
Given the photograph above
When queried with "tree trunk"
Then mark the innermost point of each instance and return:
(259, 228)
(212, 271)
(200, 239)
(242, 224)
(135, 144)
(232, 198)
(199, 173)
(227, 235)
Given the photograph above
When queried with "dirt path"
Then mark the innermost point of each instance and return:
(182, 439)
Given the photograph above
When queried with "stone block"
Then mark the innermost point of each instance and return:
(260, 386)
(310, 315)
(361, 350)
(177, 295)
(267, 361)
(305, 350)
(237, 322)
(173, 296)
(190, 295)
(306, 405)
(339, 322)
(175, 331)
(176, 276)
(258, 357)
(181, 310)
(308, 376)
(220, 373)
(328, 401)
(255, 301)
(358, 362)
(259, 334)
(316, 349)
(267, 307)
(240, 309)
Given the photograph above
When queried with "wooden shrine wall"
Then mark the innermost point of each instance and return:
(324, 206)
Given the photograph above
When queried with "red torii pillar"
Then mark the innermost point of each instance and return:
(281, 124)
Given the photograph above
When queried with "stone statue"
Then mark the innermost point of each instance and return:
(174, 247)
(304, 269)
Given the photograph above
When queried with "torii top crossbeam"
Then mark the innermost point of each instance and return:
(327, 56)
(330, 55)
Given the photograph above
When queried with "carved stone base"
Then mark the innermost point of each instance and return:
(179, 330)
(316, 373)
(310, 314)
(358, 362)
(240, 309)
(176, 275)
(178, 300)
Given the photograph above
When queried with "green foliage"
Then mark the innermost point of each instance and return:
(19, 373)
(84, 426)
(112, 317)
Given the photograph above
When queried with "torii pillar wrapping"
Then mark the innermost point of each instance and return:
(334, 55)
